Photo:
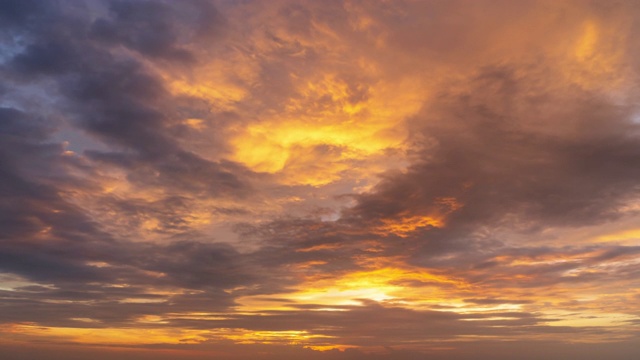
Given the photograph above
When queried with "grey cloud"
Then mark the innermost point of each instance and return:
(199, 265)
(491, 149)
(49, 240)
(143, 26)
(115, 99)
(376, 325)
(98, 283)
(491, 301)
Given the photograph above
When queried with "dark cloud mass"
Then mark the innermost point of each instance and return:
(327, 180)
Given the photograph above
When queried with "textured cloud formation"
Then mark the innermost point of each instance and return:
(328, 180)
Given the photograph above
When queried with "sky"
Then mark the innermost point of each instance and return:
(321, 180)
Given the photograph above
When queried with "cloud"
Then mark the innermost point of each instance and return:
(143, 27)
(379, 180)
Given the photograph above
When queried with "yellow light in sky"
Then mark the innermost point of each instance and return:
(407, 225)
(196, 124)
(589, 319)
(384, 284)
(104, 336)
(290, 337)
(325, 125)
(586, 46)
(595, 59)
(387, 283)
(268, 147)
(630, 237)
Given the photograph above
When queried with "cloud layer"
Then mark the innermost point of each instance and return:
(333, 180)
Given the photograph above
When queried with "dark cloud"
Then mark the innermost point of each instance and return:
(117, 285)
(486, 155)
(14, 13)
(115, 97)
(144, 26)
(491, 149)
(48, 237)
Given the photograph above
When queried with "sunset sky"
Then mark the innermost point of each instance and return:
(319, 180)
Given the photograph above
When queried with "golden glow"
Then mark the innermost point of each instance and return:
(330, 123)
(290, 337)
(218, 81)
(104, 336)
(309, 264)
(330, 347)
(407, 225)
(197, 124)
(586, 46)
(380, 285)
(597, 58)
(223, 97)
(589, 319)
(630, 237)
(321, 247)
